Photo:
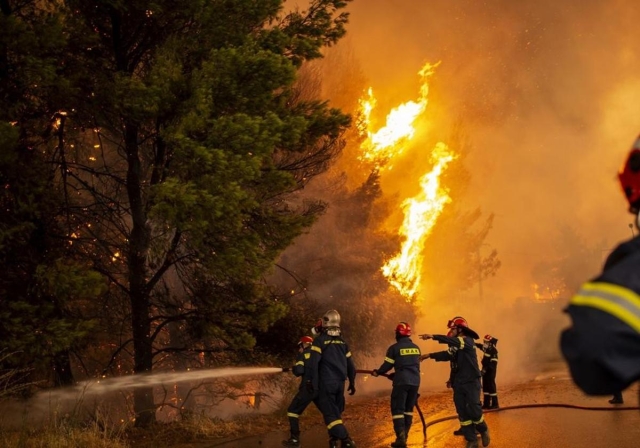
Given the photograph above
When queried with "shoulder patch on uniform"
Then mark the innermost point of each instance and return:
(307, 355)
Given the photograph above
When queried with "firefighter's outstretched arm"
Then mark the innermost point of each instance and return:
(457, 342)
(444, 355)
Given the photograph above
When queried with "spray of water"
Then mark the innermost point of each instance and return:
(101, 386)
(47, 405)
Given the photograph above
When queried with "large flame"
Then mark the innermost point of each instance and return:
(390, 141)
(421, 212)
(420, 215)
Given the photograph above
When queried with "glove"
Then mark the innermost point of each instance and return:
(448, 384)
(425, 336)
(286, 369)
(351, 389)
(391, 375)
(482, 372)
(374, 372)
(423, 357)
(309, 386)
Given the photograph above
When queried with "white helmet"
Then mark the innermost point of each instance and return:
(331, 319)
(331, 323)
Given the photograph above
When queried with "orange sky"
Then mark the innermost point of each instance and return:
(548, 94)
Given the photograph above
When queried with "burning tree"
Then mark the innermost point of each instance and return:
(178, 143)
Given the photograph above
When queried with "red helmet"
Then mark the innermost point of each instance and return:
(490, 339)
(629, 177)
(317, 328)
(458, 321)
(461, 322)
(305, 340)
(403, 329)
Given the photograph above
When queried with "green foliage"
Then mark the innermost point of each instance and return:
(160, 146)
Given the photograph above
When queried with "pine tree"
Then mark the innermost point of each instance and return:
(177, 144)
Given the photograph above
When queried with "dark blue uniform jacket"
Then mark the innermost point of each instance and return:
(602, 347)
(466, 359)
(330, 361)
(404, 358)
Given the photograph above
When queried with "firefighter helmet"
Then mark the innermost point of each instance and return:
(490, 339)
(331, 319)
(629, 177)
(461, 323)
(457, 321)
(305, 340)
(317, 328)
(403, 329)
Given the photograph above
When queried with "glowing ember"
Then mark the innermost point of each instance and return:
(421, 213)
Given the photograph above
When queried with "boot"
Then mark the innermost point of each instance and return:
(485, 438)
(617, 399)
(472, 443)
(458, 432)
(494, 403)
(401, 440)
(487, 402)
(294, 441)
(333, 442)
(348, 443)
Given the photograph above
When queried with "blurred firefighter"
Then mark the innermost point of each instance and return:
(489, 371)
(404, 358)
(466, 388)
(303, 397)
(330, 366)
(447, 355)
(317, 328)
(602, 347)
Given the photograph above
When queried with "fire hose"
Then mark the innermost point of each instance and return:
(426, 425)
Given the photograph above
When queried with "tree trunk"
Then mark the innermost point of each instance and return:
(143, 402)
(62, 369)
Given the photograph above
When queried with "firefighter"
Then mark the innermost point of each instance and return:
(330, 366)
(302, 398)
(489, 371)
(404, 358)
(447, 355)
(602, 347)
(466, 387)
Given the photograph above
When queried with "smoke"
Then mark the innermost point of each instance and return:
(546, 90)
(547, 94)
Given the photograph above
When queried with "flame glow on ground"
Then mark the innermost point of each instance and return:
(421, 212)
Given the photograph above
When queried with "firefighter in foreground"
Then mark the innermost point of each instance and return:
(329, 367)
(489, 370)
(404, 358)
(303, 397)
(466, 390)
(602, 347)
(447, 355)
